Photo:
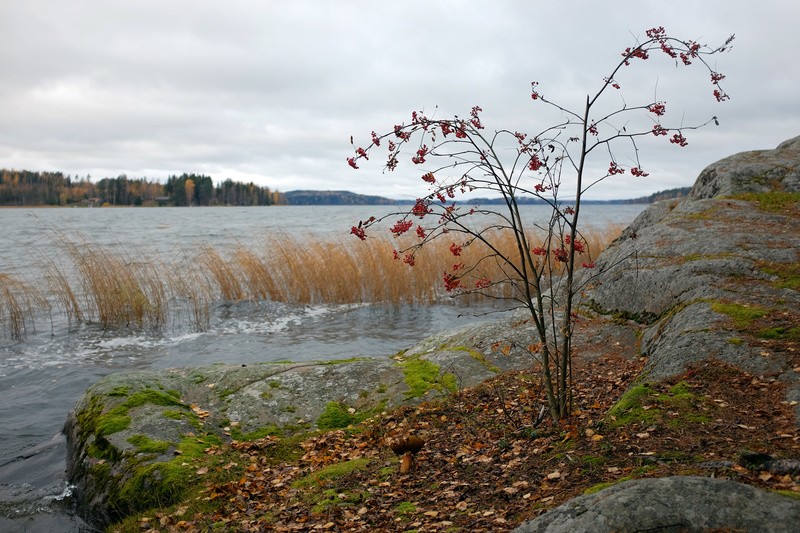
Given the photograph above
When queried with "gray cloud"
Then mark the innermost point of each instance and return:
(272, 91)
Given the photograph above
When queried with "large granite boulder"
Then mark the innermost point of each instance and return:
(672, 504)
(699, 274)
(755, 171)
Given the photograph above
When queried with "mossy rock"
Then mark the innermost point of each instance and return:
(644, 404)
(135, 438)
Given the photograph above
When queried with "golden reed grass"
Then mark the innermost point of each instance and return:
(132, 289)
(19, 302)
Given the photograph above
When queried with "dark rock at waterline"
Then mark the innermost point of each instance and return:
(679, 504)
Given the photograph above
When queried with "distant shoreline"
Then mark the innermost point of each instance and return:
(480, 201)
(398, 202)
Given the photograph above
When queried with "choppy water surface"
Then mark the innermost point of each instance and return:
(42, 376)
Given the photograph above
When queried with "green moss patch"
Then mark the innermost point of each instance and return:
(145, 485)
(605, 485)
(114, 421)
(196, 446)
(645, 405)
(155, 397)
(705, 257)
(422, 376)
(788, 274)
(146, 445)
(476, 355)
(336, 415)
(780, 333)
(629, 408)
(773, 201)
(593, 460)
(153, 485)
(742, 315)
(331, 472)
(95, 423)
(788, 493)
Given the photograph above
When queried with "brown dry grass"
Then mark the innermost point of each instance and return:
(19, 302)
(140, 290)
(118, 290)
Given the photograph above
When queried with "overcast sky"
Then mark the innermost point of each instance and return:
(271, 91)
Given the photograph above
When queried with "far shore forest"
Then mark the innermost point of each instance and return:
(25, 188)
(28, 188)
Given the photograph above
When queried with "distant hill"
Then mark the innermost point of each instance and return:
(350, 198)
(669, 194)
(655, 197)
(333, 198)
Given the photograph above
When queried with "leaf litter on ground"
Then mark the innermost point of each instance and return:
(488, 466)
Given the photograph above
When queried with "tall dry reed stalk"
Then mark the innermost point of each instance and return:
(118, 288)
(192, 292)
(19, 302)
(59, 286)
(225, 274)
(307, 270)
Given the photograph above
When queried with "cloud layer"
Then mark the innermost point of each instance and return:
(272, 91)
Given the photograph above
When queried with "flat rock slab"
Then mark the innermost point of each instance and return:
(672, 504)
(132, 421)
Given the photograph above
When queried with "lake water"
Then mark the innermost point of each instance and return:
(43, 375)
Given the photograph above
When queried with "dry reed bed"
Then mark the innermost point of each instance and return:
(19, 302)
(145, 291)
